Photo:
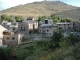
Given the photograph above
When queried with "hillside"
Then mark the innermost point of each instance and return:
(75, 14)
(36, 9)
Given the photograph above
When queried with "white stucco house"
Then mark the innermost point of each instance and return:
(1, 34)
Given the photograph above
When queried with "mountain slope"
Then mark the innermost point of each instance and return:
(36, 9)
(75, 14)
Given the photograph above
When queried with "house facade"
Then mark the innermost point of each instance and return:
(1, 34)
(64, 25)
(46, 29)
(23, 28)
(27, 25)
(11, 39)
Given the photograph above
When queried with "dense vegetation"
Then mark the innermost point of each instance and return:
(59, 48)
(55, 18)
(11, 18)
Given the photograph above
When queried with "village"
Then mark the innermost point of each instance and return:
(12, 33)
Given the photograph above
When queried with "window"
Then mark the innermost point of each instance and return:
(23, 28)
(7, 38)
(13, 29)
(47, 30)
(60, 27)
(49, 27)
(46, 21)
(68, 24)
(59, 24)
(50, 33)
(13, 38)
(64, 24)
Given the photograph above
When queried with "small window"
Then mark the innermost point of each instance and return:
(68, 24)
(60, 27)
(49, 27)
(46, 21)
(13, 29)
(59, 24)
(47, 30)
(23, 28)
(50, 33)
(64, 24)
(13, 38)
(7, 38)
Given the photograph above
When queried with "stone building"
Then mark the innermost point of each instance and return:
(11, 39)
(27, 25)
(1, 34)
(46, 29)
(64, 25)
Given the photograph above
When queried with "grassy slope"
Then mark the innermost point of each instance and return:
(38, 8)
(75, 14)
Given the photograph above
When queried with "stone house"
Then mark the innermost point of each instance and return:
(64, 25)
(46, 29)
(11, 39)
(27, 25)
(23, 28)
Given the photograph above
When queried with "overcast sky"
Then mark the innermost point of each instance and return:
(10, 3)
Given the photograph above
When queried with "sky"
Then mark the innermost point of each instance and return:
(4, 4)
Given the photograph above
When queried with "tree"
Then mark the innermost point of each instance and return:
(56, 38)
(12, 18)
(52, 16)
(55, 18)
(68, 19)
(19, 18)
(62, 20)
(41, 18)
(5, 17)
(74, 38)
(7, 54)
